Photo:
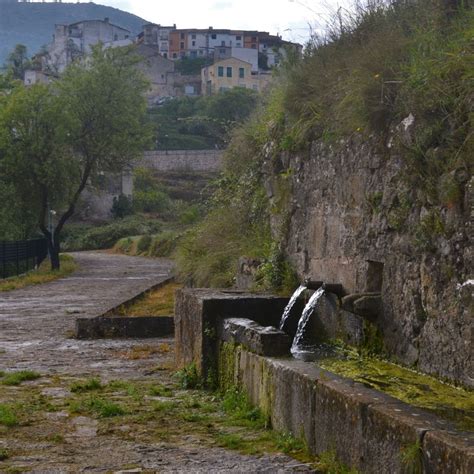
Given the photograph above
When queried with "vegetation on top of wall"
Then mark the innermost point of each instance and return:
(374, 68)
(201, 122)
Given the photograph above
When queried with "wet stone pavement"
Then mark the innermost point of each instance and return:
(60, 429)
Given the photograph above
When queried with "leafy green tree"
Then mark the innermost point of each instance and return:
(203, 122)
(55, 139)
(18, 61)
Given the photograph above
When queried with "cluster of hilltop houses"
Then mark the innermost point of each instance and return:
(226, 58)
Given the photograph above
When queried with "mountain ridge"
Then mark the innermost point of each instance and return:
(32, 24)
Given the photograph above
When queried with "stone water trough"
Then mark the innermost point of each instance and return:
(232, 339)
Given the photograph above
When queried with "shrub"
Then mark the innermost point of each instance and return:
(143, 244)
(164, 244)
(190, 215)
(153, 201)
(121, 207)
(105, 236)
(149, 196)
(189, 378)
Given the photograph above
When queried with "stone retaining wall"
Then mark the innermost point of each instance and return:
(183, 160)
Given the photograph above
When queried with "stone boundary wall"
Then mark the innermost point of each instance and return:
(108, 325)
(209, 161)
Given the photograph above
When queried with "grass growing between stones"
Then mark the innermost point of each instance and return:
(42, 275)
(147, 411)
(16, 378)
(93, 405)
(7, 416)
(453, 403)
(158, 302)
(86, 386)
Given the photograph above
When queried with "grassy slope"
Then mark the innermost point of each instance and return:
(37, 277)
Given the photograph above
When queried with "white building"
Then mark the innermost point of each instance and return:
(76, 40)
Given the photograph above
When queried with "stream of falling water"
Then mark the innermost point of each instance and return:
(297, 348)
(290, 305)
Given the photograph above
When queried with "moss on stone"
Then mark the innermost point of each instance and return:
(453, 403)
(373, 340)
(226, 365)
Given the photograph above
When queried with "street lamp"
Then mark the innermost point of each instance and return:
(51, 214)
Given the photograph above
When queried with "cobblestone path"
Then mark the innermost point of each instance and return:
(137, 419)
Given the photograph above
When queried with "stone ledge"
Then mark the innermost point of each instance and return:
(260, 340)
(368, 430)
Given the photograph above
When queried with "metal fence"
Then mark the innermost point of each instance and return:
(22, 256)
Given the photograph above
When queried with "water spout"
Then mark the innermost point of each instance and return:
(290, 305)
(298, 350)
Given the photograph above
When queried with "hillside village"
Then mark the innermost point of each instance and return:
(177, 62)
(196, 277)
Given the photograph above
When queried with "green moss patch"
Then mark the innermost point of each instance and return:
(453, 403)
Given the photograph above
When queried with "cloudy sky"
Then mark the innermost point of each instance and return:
(291, 18)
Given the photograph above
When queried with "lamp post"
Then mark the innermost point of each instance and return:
(51, 214)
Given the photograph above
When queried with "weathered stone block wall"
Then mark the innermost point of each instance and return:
(354, 221)
(184, 160)
(367, 430)
(198, 313)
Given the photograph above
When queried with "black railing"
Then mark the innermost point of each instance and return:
(21, 256)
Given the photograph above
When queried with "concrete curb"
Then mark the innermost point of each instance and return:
(107, 325)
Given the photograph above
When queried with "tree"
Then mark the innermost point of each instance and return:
(18, 61)
(56, 138)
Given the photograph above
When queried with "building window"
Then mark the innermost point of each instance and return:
(175, 55)
(222, 51)
(194, 43)
(115, 37)
(239, 38)
(229, 72)
(238, 45)
(220, 71)
(193, 37)
(222, 43)
(254, 38)
(165, 55)
(214, 36)
(241, 72)
(181, 45)
(182, 36)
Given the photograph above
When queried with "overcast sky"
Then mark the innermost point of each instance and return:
(290, 18)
